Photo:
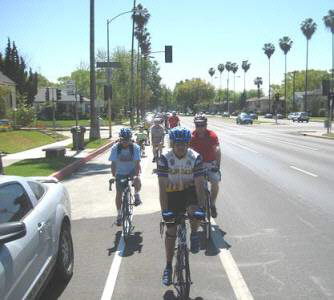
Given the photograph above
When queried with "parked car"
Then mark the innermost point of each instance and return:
(253, 116)
(279, 116)
(290, 115)
(244, 118)
(5, 125)
(268, 116)
(225, 114)
(301, 117)
(35, 235)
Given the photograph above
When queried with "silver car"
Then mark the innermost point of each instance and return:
(35, 235)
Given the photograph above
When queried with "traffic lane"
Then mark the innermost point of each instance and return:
(282, 244)
(95, 242)
(140, 274)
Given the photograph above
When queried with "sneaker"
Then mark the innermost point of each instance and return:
(194, 243)
(119, 221)
(167, 276)
(137, 200)
(153, 160)
(213, 211)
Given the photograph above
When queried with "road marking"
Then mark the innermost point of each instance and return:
(234, 275)
(303, 171)
(241, 146)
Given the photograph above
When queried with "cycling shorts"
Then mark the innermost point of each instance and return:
(212, 176)
(180, 200)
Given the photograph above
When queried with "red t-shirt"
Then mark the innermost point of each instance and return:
(205, 146)
(173, 121)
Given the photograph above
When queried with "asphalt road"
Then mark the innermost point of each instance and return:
(273, 238)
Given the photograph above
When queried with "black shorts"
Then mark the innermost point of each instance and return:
(179, 201)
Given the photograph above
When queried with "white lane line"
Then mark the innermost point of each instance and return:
(116, 263)
(112, 276)
(234, 275)
(271, 140)
(241, 146)
(303, 171)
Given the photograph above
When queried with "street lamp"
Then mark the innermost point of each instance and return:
(109, 70)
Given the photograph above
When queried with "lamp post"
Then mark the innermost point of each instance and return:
(109, 70)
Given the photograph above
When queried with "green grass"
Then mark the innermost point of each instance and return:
(329, 135)
(20, 140)
(318, 119)
(38, 166)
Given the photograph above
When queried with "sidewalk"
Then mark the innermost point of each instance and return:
(315, 133)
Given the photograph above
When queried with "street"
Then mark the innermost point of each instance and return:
(273, 237)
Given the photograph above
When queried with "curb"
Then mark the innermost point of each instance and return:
(61, 174)
(316, 136)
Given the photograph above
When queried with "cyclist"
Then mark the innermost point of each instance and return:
(181, 183)
(174, 120)
(157, 138)
(125, 161)
(205, 142)
(141, 139)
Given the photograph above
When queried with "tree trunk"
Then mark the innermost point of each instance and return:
(305, 97)
(131, 101)
(94, 132)
(269, 88)
(285, 88)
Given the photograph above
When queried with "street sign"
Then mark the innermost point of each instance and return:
(105, 64)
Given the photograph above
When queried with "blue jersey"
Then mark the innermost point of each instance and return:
(125, 160)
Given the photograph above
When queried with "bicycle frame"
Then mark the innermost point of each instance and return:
(207, 221)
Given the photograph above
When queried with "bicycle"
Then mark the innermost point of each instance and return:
(127, 206)
(181, 274)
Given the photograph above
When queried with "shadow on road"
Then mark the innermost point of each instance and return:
(116, 242)
(133, 244)
(169, 295)
(53, 290)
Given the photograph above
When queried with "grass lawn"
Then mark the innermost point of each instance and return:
(38, 166)
(329, 135)
(317, 119)
(20, 140)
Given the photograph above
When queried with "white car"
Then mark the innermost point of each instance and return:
(35, 235)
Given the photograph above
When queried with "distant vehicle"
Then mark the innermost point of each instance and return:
(225, 114)
(253, 116)
(268, 116)
(5, 125)
(279, 116)
(290, 115)
(235, 113)
(35, 235)
(301, 117)
(244, 118)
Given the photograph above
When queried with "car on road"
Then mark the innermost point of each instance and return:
(244, 118)
(301, 117)
(279, 116)
(268, 116)
(253, 116)
(35, 235)
(290, 115)
(5, 125)
(225, 114)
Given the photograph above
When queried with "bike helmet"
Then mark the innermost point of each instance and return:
(200, 118)
(174, 113)
(125, 133)
(179, 134)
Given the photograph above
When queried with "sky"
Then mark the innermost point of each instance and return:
(53, 36)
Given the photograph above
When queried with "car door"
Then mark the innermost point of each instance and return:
(18, 259)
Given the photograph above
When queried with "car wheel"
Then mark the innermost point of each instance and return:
(65, 258)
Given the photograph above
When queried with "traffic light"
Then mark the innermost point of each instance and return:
(81, 98)
(47, 94)
(58, 93)
(168, 54)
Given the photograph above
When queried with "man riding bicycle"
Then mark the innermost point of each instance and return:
(141, 139)
(174, 120)
(157, 138)
(125, 162)
(206, 143)
(180, 173)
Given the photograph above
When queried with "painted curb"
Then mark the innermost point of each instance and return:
(61, 174)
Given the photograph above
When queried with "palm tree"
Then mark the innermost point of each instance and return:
(269, 49)
(308, 27)
(245, 66)
(220, 68)
(329, 23)
(234, 69)
(285, 44)
(258, 82)
(212, 72)
(228, 67)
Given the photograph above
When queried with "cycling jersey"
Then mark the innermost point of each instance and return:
(173, 121)
(141, 136)
(157, 134)
(180, 171)
(206, 146)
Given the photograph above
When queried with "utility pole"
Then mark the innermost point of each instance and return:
(131, 100)
(53, 110)
(294, 90)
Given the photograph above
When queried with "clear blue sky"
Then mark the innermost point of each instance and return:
(53, 36)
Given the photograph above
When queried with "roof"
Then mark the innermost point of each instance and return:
(6, 80)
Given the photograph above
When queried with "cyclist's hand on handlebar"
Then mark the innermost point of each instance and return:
(167, 215)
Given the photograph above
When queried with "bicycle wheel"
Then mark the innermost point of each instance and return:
(182, 272)
(126, 218)
(207, 225)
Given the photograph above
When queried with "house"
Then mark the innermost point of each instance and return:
(262, 104)
(9, 85)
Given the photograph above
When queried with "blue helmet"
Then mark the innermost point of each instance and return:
(179, 134)
(125, 133)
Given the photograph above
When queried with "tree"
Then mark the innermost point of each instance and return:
(329, 23)
(269, 49)
(220, 68)
(308, 27)
(228, 67)
(212, 72)
(245, 66)
(234, 69)
(258, 82)
(285, 44)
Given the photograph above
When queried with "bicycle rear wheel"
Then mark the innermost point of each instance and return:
(126, 211)
(182, 279)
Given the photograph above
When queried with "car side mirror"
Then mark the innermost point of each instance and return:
(12, 231)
